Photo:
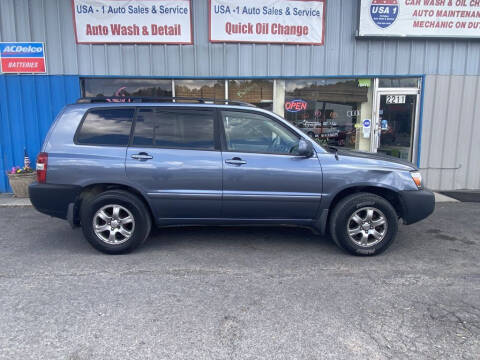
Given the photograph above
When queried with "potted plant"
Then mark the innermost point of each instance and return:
(20, 177)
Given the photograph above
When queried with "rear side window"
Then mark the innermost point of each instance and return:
(182, 129)
(106, 127)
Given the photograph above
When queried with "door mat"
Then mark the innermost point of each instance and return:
(463, 195)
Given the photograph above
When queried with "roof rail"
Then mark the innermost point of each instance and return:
(147, 99)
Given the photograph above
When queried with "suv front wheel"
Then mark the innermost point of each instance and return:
(115, 221)
(363, 224)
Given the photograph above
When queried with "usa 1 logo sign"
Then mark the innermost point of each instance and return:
(420, 18)
(384, 12)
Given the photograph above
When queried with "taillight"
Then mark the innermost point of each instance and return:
(42, 162)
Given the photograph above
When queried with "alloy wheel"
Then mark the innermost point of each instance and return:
(113, 224)
(367, 226)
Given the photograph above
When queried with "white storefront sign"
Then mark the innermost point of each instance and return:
(127, 21)
(267, 21)
(366, 128)
(425, 18)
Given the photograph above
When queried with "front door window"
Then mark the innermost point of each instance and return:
(248, 132)
(396, 123)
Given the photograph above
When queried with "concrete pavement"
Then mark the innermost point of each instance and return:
(240, 293)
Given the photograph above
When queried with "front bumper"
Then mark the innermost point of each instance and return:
(53, 199)
(416, 205)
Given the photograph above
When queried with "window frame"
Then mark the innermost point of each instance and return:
(223, 137)
(80, 125)
(216, 142)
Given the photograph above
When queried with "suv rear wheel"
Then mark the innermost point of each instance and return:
(363, 224)
(115, 221)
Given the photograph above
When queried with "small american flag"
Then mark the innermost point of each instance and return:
(26, 159)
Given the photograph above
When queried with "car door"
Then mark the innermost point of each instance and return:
(262, 176)
(174, 156)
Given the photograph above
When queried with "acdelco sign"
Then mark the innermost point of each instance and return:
(22, 57)
(20, 50)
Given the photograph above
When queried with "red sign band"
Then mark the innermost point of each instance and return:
(23, 65)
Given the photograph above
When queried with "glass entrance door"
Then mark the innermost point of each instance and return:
(394, 132)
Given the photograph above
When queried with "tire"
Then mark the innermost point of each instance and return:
(368, 235)
(100, 209)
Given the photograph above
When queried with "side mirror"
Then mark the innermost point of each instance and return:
(305, 148)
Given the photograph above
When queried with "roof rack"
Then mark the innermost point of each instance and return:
(147, 99)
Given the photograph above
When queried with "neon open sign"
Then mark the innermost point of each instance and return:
(296, 105)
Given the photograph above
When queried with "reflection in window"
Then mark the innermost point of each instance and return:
(100, 87)
(398, 82)
(258, 92)
(247, 132)
(106, 127)
(326, 109)
(214, 89)
(174, 129)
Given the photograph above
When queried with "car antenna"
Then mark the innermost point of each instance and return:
(336, 151)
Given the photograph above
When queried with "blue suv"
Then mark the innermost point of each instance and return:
(116, 168)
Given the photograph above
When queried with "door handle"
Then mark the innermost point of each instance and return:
(235, 161)
(143, 156)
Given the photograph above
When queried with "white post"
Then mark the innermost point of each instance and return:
(279, 97)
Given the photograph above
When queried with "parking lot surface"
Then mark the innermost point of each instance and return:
(240, 293)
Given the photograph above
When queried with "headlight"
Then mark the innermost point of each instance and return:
(417, 178)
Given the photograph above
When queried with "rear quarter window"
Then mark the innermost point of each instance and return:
(106, 127)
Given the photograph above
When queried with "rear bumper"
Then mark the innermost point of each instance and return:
(417, 205)
(53, 199)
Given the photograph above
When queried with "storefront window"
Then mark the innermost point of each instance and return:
(92, 87)
(397, 119)
(329, 110)
(256, 92)
(214, 89)
(397, 82)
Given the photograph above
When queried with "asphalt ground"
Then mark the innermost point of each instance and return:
(240, 293)
(463, 195)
